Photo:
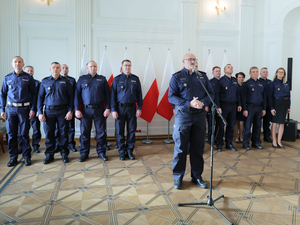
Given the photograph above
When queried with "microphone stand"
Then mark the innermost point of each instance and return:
(210, 201)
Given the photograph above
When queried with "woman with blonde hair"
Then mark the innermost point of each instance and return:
(280, 102)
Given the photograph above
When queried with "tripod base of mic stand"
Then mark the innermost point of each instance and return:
(210, 202)
(168, 141)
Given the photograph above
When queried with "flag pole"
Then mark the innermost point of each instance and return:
(147, 141)
(168, 141)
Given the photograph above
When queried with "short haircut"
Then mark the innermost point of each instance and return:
(240, 73)
(28, 67)
(55, 63)
(226, 65)
(264, 68)
(18, 57)
(126, 60)
(90, 61)
(215, 67)
(252, 68)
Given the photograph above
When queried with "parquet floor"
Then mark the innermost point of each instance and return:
(260, 187)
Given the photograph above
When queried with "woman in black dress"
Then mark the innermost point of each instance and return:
(240, 119)
(280, 102)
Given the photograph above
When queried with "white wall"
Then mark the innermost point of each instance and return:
(253, 32)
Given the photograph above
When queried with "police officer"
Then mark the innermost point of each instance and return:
(34, 121)
(190, 100)
(57, 95)
(216, 72)
(229, 100)
(267, 118)
(18, 92)
(93, 89)
(254, 107)
(72, 143)
(125, 92)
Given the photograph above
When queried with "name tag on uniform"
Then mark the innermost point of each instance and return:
(24, 79)
(121, 82)
(133, 81)
(62, 82)
(260, 85)
(234, 82)
(49, 88)
(9, 81)
(183, 78)
(99, 79)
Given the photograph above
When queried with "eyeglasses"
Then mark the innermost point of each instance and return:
(191, 59)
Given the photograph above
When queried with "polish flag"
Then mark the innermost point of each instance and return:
(209, 66)
(164, 107)
(224, 63)
(106, 70)
(84, 61)
(150, 92)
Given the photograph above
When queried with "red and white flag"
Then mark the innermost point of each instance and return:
(224, 63)
(165, 108)
(84, 61)
(150, 92)
(106, 70)
(209, 66)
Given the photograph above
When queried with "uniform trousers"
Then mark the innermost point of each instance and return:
(188, 128)
(53, 117)
(254, 117)
(267, 122)
(88, 115)
(36, 133)
(229, 114)
(209, 124)
(18, 118)
(71, 133)
(126, 114)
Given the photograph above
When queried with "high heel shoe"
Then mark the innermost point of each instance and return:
(281, 146)
(275, 146)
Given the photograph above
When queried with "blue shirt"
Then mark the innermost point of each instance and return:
(228, 91)
(279, 89)
(266, 84)
(73, 83)
(55, 93)
(92, 91)
(126, 90)
(214, 82)
(18, 89)
(184, 86)
(253, 93)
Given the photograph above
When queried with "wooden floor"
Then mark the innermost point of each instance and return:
(260, 187)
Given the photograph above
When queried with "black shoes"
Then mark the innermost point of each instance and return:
(230, 147)
(12, 162)
(103, 157)
(257, 146)
(122, 156)
(83, 158)
(268, 139)
(246, 147)
(36, 149)
(274, 146)
(130, 155)
(219, 148)
(65, 159)
(281, 146)
(199, 182)
(177, 184)
(27, 161)
(49, 159)
(72, 148)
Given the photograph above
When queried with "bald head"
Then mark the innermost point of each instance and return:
(189, 61)
(64, 70)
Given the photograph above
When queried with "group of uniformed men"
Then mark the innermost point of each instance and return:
(191, 103)
(52, 101)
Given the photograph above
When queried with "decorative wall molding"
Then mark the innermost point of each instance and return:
(228, 33)
(269, 34)
(46, 25)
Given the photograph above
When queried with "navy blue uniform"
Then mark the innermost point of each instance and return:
(19, 94)
(190, 125)
(215, 86)
(71, 134)
(267, 118)
(57, 96)
(35, 124)
(93, 91)
(229, 100)
(253, 100)
(125, 93)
